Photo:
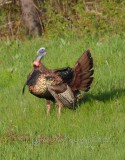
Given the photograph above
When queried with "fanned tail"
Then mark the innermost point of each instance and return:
(83, 72)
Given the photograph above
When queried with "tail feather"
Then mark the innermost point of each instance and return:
(83, 72)
(84, 76)
(86, 83)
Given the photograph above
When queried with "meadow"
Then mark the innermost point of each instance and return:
(95, 130)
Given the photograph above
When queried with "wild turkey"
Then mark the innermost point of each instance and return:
(60, 85)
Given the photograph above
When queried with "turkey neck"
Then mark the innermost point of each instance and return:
(42, 68)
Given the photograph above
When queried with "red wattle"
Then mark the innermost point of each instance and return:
(36, 63)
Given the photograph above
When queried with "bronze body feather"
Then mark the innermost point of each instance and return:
(61, 85)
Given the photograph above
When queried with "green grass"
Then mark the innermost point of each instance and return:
(96, 130)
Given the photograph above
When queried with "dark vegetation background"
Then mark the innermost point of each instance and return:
(61, 18)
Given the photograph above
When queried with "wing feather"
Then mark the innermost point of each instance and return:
(64, 94)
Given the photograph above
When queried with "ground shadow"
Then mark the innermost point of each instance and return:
(104, 96)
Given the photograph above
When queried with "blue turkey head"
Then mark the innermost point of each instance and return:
(41, 53)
